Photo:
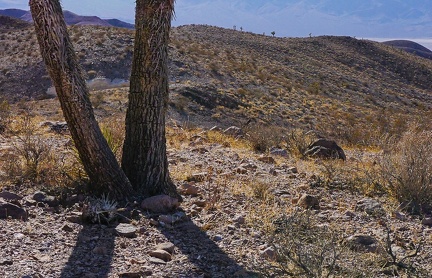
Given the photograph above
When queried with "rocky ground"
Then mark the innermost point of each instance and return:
(218, 231)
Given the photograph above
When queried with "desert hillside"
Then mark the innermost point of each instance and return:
(225, 77)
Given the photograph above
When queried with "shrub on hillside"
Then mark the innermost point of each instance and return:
(407, 171)
(4, 115)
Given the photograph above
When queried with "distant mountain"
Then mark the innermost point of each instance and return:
(70, 18)
(16, 13)
(411, 47)
(7, 22)
(119, 23)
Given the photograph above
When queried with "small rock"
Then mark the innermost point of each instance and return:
(233, 131)
(241, 170)
(67, 228)
(248, 166)
(370, 206)
(187, 189)
(74, 217)
(197, 177)
(156, 260)
(100, 250)
(363, 243)
(400, 216)
(427, 221)
(19, 235)
(167, 246)
(138, 274)
(268, 253)
(293, 170)
(308, 202)
(6, 261)
(217, 238)
(350, 213)
(9, 196)
(13, 211)
(126, 230)
(42, 258)
(200, 203)
(153, 222)
(239, 219)
(267, 159)
(161, 254)
(172, 219)
(280, 152)
(160, 204)
(42, 197)
(200, 150)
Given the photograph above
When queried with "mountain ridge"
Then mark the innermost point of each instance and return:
(70, 18)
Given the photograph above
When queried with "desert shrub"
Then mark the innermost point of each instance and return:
(263, 137)
(406, 167)
(4, 115)
(298, 140)
(303, 248)
(113, 131)
(31, 151)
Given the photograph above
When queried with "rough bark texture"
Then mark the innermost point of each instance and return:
(62, 65)
(144, 157)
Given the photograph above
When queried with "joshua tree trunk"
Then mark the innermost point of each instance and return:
(144, 157)
(62, 65)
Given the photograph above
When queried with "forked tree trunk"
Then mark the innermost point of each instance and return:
(144, 157)
(62, 65)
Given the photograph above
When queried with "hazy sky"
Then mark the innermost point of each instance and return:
(288, 18)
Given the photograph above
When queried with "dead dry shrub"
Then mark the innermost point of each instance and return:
(297, 141)
(302, 247)
(406, 167)
(262, 137)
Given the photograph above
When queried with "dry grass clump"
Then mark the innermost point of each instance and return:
(407, 170)
(31, 157)
(4, 115)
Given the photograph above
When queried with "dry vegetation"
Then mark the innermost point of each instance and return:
(283, 93)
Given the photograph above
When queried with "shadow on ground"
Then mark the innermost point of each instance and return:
(209, 260)
(92, 254)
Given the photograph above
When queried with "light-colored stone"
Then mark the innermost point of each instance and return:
(126, 230)
(166, 246)
(161, 254)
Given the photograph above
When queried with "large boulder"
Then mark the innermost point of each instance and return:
(325, 149)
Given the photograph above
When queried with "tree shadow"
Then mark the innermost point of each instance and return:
(208, 258)
(92, 254)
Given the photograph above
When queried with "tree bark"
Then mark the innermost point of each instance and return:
(62, 65)
(144, 157)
